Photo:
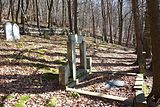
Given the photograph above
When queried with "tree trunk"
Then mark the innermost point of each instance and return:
(34, 10)
(27, 5)
(1, 10)
(154, 18)
(128, 31)
(49, 13)
(70, 16)
(12, 9)
(22, 12)
(63, 13)
(22, 16)
(75, 17)
(120, 21)
(147, 37)
(109, 12)
(37, 15)
(17, 13)
(93, 22)
(104, 21)
(138, 33)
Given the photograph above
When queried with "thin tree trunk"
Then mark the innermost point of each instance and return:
(63, 12)
(109, 9)
(1, 10)
(34, 10)
(129, 30)
(17, 12)
(120, 21)
(37, 10)
(75, 17)
(22, 16)
(104, 21)
(138, 33)
(22, 12)
(70, 16)
(147, 37)
(49, 13)
(11, 10)
(93, 22)
(27, 6)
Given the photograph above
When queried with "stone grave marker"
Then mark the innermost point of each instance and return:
(16, 31)
(11, 31)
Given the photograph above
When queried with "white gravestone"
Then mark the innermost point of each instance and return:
(11, 31)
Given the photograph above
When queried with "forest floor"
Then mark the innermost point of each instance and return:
(29, 72)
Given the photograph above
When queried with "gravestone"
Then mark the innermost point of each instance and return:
(71, 53)
(11, 31)
(16, 33)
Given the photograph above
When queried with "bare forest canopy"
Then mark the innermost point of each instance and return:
(109, 19)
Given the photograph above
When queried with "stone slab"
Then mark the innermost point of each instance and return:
(117, 98)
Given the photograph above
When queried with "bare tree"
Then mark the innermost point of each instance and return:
(18, 9)
(70, 15)
(1, 10)
(138, 32)
(104, 21)
(120, 8)
(50, 7)
(37, 10)
(75, 16)
(109, 12)
(93, 21)
(154, 19)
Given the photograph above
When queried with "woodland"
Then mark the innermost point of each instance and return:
(121, 39)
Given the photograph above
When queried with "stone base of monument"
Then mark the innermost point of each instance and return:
(81, 75)
(64, 73)
(89, 64)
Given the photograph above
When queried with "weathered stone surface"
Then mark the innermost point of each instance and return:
(71, 54)
(114, 84)
(16, 33)
(64, 73)
(89, 63)
(11, 31)
(8, 31)
(97, 94)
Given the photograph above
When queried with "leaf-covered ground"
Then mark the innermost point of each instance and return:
(29, 71)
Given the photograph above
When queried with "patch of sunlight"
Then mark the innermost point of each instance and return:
(22, 100)
(49, 70)
(42, 51)
(145, 90)
(19, 45)
(52, 102)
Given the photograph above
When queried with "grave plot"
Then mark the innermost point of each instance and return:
(106, 84)
(116, 85)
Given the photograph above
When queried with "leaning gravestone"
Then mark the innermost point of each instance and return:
(11, 31)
